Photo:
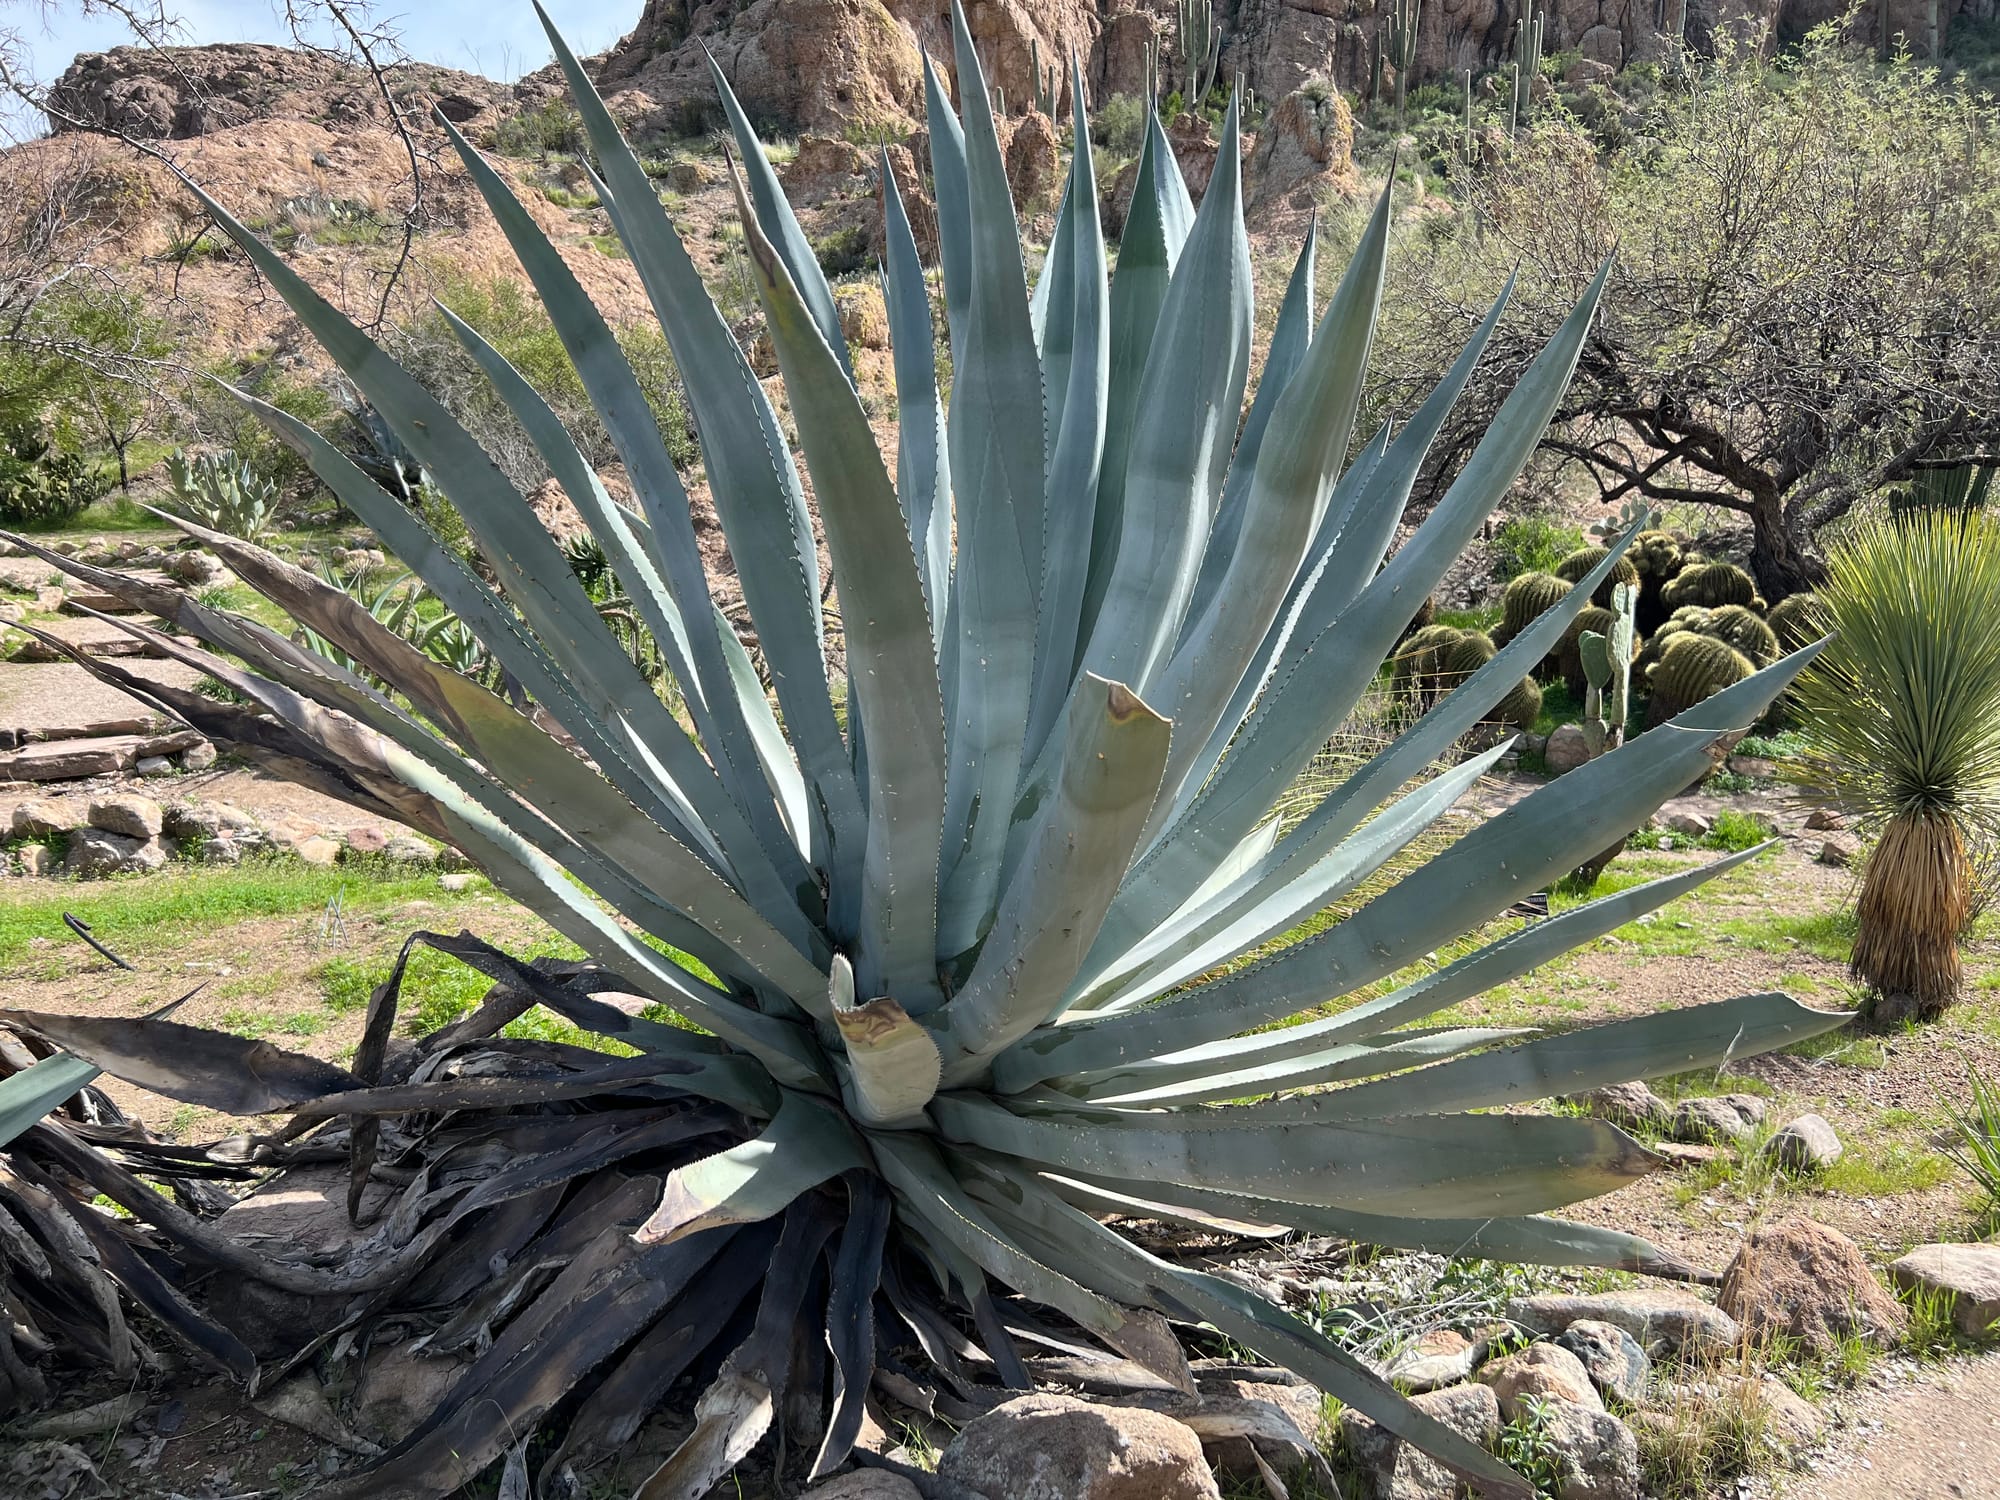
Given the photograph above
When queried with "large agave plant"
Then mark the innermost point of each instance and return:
(952, 972)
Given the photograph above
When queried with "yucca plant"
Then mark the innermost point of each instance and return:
(954, 980)
(1901, 718)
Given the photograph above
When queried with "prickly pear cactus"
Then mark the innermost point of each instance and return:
(1607, 673)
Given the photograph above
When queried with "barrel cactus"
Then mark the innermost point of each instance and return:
(1692, 669)
(1657, 557)
(1689, 617)
(1527, 597)
(1585, 560)
(1795, 621)
(1746, 630)
(1521, 707)
(1416, 665)
(1711, 585)
(919, 1000)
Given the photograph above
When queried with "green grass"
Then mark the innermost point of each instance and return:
(1885, 1169)
(141, 913)
(1485, 617)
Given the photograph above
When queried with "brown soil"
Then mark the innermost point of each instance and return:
(1932, 1436)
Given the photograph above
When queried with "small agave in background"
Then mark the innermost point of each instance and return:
(954, 970)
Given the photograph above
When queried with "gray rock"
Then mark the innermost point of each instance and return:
(1756, 767)
(44, 817)
(1800, 1281)
(190, 820)
(404, 850)
(1631, 1105)
(1837, 853)
(198, 757)
(317, 850)
(1825, 820)
(1616, 1364)
(1049, 1447)
(1708, 1119)
(134, 816)
(1441, 1357)
(1565, 749)
(1387, 1468)
(196, 567)
(459, 881)
(36, 859)
(93, 851)
(221, 850)
(1807, 1144)
(152, 765)
(1597, 1457)
(1680, 1320)
(1543, 1372)
(1690, 824)
(865, 1484)
(1968, 1274)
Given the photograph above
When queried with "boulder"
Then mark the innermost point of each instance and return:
(317, 850)
(45, 817)
(1690, 824)
(71, 760)
(1809, 1283)
(1309, 135)
(92, 851)
(1049, 1447)
(195, 567)
(36, 859)
(864, 320)
(1588, 73)
(1034, 158)
(198, 757)
(1546, 1372)
(456, 882)
(134, 816)
(221, 850)
(1702, 1119)
(1825, 820)
(1968, 1274)
(404, 849)
(1387, 1468)
(1805, 1145)
(1596, 1456)
(1603, 44)
(1441, 1357)
(152, 766)
(1632, 1106)
(1612, 1357)
(1836, 852)
(1679, 1320)
(1565, 750)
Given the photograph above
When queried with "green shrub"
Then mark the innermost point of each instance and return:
(1119, 125)
(555, 126)
(41, 484)
(843, 252)
(1533, 544)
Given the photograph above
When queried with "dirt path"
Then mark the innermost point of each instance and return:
(1934, 1440)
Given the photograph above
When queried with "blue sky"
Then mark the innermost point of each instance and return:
(500, 38)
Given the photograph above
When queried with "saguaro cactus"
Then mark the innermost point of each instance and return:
(1403, 18)
(1048, 83)
(1527, 61)
(1201, 47)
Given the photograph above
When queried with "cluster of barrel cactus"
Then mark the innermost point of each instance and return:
(1437, 658)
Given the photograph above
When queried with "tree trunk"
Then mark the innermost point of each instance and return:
(1779, 560)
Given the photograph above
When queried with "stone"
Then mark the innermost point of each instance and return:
(1686, 1153)
(1690, 824)
(1587, 72)
(1702, 1119)
(460, 881)
(864, 320)
(1308, 135)
(1805, 1145)
(405, 850)
(1565, 750)
(1837, 853)
(1050, 1447)
(1679, 1320)
(196, 568)
(134, 816)
(1440, 1358)
(1808, 1283)
(221, 850)
(1545, 1372)
(71, 760)
(1387, 1468)
(93, 851)
(1239, 1420)
(198, 757)
(1969, 1274)
(1612, 1358)
(1603, 44)
(1825, 820)
(1756, 767)
(36, 859)
(865, 1484)
(1596, 1456)
(366, 838)
(317, 850)
(1632, 1106)
(153, 766)
(43, 817)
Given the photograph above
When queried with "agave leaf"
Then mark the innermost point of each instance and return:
(1521, 850)
(806, 1143)
(1502, 1164)
(893, 678)
(998, 435)
(1290, 338)
(924, 1185)
(1083, 335)
(1678, 1041)
(1079, 849)
(1156, 227)
(893, 1063)
(781, 226)
(850, 1317)
(1183, 428)
(754, 484)
(1310, 427)
(33, 1092)
(923, 467)
(952, 181)
(210, 1068)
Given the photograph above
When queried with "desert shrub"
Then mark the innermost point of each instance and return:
(40, 483)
